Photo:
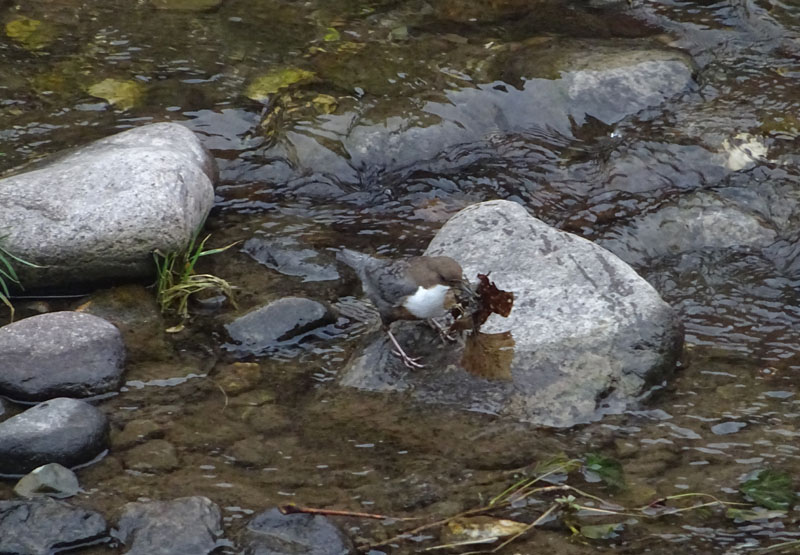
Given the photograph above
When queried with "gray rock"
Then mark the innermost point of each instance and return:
(185, 526)
(45, 526)
(587, 336)
(66, 431)
(273, 533)
(281, 323)
(60, 354)
(99, 212)
(50, 480)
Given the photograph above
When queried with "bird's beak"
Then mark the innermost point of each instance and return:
(466, 287)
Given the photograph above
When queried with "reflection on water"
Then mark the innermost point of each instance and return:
(433, 111)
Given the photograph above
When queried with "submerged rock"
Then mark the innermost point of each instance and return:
(541, 89)
(696, 222)
(157, 455)
(185, 526)
(99, 212)
(60, 354)
(66, 431)
(47, 526)
(273, 533)
(282, 323)
(287, 256)
(587, 336)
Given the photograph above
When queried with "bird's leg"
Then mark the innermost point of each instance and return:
(407, 360)
(444, 334)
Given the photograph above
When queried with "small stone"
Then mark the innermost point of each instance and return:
(238, 377)
(253, 451)
(267, 419)
(136, 431)
(157, 455)
(51, 480)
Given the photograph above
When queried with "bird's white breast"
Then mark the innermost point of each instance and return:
(427, 303)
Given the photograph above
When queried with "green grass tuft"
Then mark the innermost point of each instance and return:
(177, 280)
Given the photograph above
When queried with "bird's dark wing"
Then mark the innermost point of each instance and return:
(390, 280)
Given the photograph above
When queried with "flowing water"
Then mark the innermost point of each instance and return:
(355, 153)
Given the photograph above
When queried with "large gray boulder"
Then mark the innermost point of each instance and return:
(100, 211)
(587, 336)
(60, 354)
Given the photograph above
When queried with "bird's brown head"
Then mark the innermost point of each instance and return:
(428, 271)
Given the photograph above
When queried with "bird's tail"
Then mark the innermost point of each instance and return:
(356, 260)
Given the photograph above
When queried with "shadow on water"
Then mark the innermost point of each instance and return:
(414, 112)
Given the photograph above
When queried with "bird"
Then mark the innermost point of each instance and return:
(416, 288)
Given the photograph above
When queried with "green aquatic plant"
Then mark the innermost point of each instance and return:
(8, 275)
(177, 279)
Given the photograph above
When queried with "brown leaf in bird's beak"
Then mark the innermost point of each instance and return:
(474, 308)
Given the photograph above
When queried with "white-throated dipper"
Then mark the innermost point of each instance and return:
(418, 288)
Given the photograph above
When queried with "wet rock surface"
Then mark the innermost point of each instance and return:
(46, 526)
(100, 212)
(282, 323)
(587, 336)
(185, 526)
(60, 354)
(273, 533)
(62, 430)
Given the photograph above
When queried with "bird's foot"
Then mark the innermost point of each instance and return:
(407, 360)
(444, 334)
(398, 351)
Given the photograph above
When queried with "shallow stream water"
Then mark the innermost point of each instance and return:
(315, 162)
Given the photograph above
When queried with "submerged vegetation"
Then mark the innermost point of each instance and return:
(177, 279)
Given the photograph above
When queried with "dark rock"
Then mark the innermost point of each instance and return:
(157, 455)
(51, 480)
(287, 256)
(45, 526)
(587, 336)
(99, 212)
(282, 323)
(60, 354)
(185, 526)
(66, 431)
(273, 533)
